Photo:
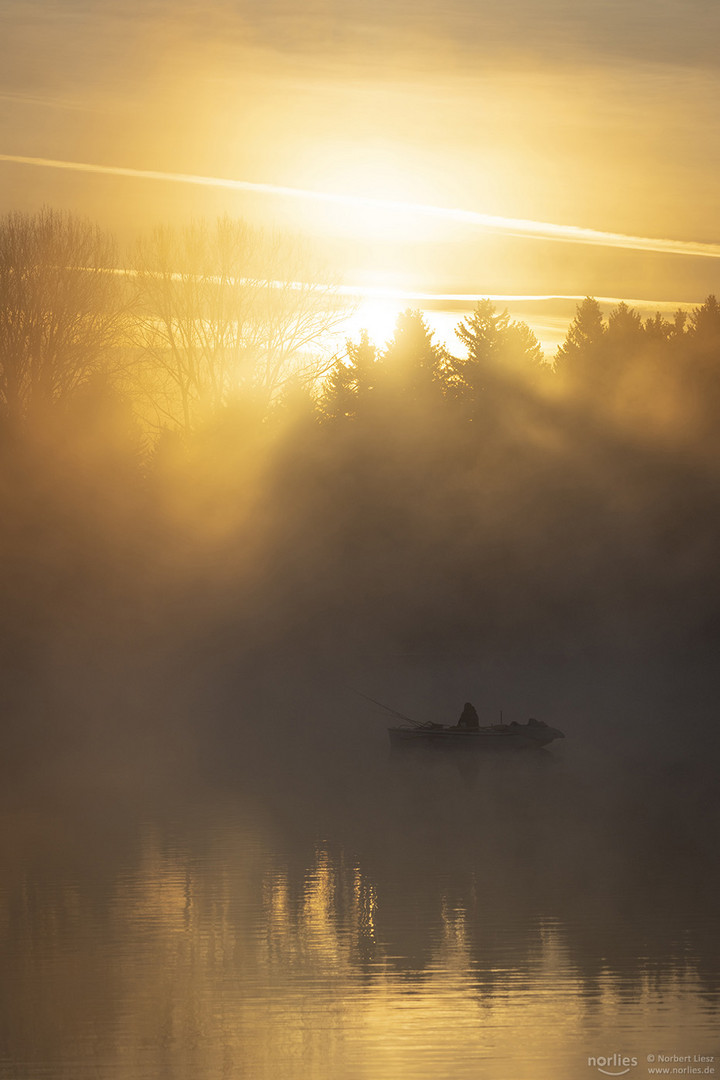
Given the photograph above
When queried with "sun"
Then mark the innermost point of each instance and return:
(377, 317)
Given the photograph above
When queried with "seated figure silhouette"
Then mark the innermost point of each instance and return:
(469, 718)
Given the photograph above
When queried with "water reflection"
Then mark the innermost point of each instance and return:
(417, 927)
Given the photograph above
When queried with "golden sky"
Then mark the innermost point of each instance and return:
(594, 115)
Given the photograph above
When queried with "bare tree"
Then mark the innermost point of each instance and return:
(61, 309)
(228, 313)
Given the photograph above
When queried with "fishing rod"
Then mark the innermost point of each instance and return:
(394, 712)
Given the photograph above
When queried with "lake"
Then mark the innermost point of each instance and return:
(340, 911)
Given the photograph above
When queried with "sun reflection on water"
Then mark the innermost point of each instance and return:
(228, 960)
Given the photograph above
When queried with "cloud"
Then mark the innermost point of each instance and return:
(558, 31)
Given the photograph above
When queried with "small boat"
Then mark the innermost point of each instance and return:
(534, 734)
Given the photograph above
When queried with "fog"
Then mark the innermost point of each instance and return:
(201, 512)
(200, 809)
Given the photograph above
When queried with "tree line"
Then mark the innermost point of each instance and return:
(192, 321)
(212, 316)
(187, 417)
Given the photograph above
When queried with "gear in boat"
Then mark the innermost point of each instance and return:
(469, 732)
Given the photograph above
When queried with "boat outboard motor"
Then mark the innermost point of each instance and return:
(541, 733)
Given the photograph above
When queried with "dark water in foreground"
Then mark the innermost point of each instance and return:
(311, 915)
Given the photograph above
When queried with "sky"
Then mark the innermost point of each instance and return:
(581, 115)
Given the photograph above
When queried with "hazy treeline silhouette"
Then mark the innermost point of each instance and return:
(183, 459)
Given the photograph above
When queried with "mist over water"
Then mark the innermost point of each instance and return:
(296, 900)
(213, 865)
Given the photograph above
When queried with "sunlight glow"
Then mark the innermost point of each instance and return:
(378, 178)
(377, 316)
(521, 227)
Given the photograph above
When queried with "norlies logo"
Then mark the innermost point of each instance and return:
(614, 1065)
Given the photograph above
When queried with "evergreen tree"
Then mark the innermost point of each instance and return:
(496, 348)
(351, 380)
(582, 348)
(623, 349)
(624, 328)
(705, 323)
(484, 334)
(657, 329)
(679, 327)
(411, 362)
(701, 367)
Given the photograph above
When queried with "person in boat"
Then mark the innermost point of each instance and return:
(469, 719)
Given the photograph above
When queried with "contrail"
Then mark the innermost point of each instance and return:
(401, 296)
(46, 102)
(539, 230)
(380, 292)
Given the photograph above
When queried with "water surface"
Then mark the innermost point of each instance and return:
(309, 915)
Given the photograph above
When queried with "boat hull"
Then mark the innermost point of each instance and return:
(498, 737)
